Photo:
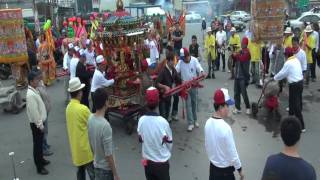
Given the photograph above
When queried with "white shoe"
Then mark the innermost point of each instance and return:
(190, 127)
(236, 111)
(303, 130)
(287, 109)
(174, 118)
(196, 124)
(248, 111)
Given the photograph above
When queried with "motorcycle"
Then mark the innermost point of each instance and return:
(5, 71)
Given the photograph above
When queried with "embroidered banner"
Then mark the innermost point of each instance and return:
(268, 18)
(13, 46)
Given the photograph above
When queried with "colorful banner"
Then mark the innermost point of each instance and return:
(13, 46)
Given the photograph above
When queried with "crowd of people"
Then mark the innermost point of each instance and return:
(90, 134)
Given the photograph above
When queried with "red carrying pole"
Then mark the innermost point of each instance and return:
(185, 85)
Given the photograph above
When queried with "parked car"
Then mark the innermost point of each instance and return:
(239, 25)
(315, 10)
(297, 24)
(241, 16)
(192, 16)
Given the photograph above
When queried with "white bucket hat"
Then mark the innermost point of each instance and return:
(308, 29)
(75, 85)
(208, 29)
(288, 30)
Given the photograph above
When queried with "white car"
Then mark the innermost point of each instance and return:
(315, 10)
(193, 17)
(297, 24)
(241, 16)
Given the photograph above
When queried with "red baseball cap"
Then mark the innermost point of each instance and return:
(221, 96)
(152, 96)
(245, 41)
(184, 52)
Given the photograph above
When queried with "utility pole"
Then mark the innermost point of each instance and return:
(36, 19)
(76, 5)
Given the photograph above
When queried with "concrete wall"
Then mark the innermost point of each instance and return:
(23, 4)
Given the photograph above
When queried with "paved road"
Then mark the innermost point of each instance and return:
(255, 138)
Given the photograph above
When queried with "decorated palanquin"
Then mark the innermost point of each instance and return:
(13, 46)
(268, 19)
(122, 40)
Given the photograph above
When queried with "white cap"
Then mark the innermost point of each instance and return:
(308, 29)
(70, 46)
(233, 29)
(100, 60)
(288, 30)
(209, 29)
(81, 52)
(88, 41)
(76, 48)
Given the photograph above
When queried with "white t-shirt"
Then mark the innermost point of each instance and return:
(221, 37)
(189, 70)
(98, 81)
(66, 61)
(154, 53)
(220, 145)
(73, 66)
(290, 70)
(302, 57)
(90, 60)
(152, 128)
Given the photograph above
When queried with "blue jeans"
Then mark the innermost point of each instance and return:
(191, 106)
(45, 145)
(101, 174)
(153, 65)
(81, 173)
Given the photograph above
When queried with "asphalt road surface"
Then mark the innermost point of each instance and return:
(256, 138)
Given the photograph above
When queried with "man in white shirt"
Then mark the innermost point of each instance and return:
(156, 138)
(152, 44)
(221, 37)
(37, 114)
(99, 80)
(219, 142)
(74, 62)
(189, 67)
(66, 67)
(90, 57)
(300, 54)
(293, 72)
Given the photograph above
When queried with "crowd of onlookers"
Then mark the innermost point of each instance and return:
(90, 134)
